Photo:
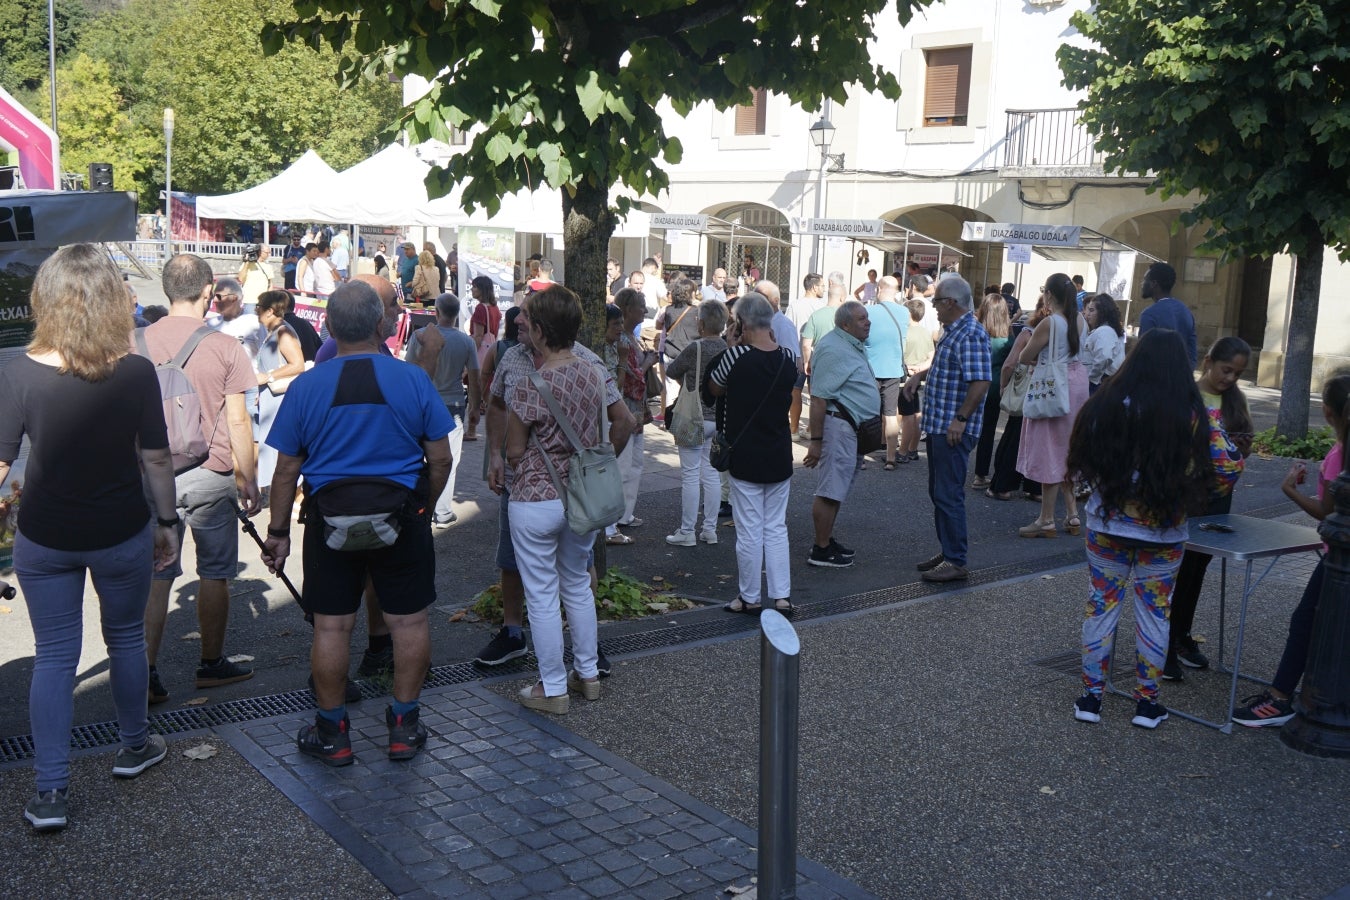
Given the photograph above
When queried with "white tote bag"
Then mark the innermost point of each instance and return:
(1048, 392)
(687, 417)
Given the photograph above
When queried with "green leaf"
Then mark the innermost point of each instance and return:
(591, 96)
(498, 148)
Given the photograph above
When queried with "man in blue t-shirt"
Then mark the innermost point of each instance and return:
(885, 348)
(361, 416)
(1167, 311)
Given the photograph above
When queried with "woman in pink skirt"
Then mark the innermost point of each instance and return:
(1044, 452)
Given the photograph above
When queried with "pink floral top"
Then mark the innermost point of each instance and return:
(578, 388)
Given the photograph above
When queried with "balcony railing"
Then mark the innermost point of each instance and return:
(1048, 138)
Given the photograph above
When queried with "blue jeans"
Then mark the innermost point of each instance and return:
(947, 489)
(53, 588)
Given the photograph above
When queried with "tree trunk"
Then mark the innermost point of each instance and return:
(588, 224)
(1296, 385)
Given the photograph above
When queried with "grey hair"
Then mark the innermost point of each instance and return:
(354, 312)
(836, 285)
(770, 291)
(447, 305)
(754, 311)
(228, 285)
(546, 266)
(958, 289)
(713, 315)
(845, 313)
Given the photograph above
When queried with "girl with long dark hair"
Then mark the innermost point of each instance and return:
(1104, 349)
(1143, 443)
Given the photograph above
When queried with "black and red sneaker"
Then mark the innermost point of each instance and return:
(407, 735)
(327, 741)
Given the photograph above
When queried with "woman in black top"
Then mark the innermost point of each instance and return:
(93, 418)
(755, 379)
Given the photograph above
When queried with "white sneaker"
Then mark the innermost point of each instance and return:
(708, 537)
(681, 539)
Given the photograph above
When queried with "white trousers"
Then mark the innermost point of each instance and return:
(761, 537)
(444, 505)
(695, 472)
(552, 562)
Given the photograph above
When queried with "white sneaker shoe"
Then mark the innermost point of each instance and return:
(708, 537)
(681, 539)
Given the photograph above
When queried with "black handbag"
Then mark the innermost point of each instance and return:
(871, 433)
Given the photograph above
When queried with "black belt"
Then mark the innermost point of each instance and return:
(839, 415)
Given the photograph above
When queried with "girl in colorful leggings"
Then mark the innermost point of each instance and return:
(1143, 443)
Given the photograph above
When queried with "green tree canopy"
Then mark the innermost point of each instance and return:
(1244, 104)
(240, 117)
(95, 126)
(566, 91)
(24, 40)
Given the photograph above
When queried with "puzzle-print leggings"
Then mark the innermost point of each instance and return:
(1115, 567)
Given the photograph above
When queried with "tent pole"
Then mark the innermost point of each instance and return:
(354, 251)
(985, 279)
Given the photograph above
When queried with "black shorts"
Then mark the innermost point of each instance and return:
(404, 575)
(801, 381)
(908, 407)
(890, 395)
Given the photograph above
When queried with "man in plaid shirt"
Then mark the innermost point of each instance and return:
(953, 411)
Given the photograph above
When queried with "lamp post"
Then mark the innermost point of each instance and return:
(822, 135)
(168, 184)
(51, 64)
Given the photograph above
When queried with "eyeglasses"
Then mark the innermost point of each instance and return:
(937, 300)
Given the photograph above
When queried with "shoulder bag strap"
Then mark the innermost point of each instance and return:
(180, 359)
(781, 360)
(898, 330)
(542, 387)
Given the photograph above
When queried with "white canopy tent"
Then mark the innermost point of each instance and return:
(290, 195)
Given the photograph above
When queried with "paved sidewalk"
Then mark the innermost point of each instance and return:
(504, 803)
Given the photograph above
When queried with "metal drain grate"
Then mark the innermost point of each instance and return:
(232, 712)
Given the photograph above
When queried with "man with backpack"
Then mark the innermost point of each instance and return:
(213, 458)
(369, 435)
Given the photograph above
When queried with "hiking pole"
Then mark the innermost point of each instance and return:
(252, 531)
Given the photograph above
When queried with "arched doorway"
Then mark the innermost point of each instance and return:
(983, 266)
(774, 261)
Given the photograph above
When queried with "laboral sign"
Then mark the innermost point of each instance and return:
(1012, 233)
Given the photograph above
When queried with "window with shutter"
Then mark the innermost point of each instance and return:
(946, 96)
(750, 119)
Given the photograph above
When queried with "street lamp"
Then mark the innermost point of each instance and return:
(822, 135)
(168, 184)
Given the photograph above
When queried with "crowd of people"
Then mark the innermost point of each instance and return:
(737, 373)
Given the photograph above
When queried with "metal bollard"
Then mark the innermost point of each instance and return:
(779, 651)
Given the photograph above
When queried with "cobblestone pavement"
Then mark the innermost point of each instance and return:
(505, 804)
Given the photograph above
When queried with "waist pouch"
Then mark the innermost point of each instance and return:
(365, 513)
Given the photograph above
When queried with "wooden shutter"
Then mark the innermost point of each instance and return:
(946, 97)
(750, 119)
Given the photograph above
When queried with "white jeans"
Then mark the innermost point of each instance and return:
(552, 560)
(444, 506)
(761, 537)
(696, 471)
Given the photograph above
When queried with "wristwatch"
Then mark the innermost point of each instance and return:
(961, 418)
(168, 523)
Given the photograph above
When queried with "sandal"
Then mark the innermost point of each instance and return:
(979, 483)
(993, 496)
(785, 607)
(619, 539)
(1073, 524)
(740, 606)
(1038, 529)
(889, 466)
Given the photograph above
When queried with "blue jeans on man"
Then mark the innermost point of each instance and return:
(947, 488)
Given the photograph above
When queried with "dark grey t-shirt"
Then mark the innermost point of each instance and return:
(458, 355)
